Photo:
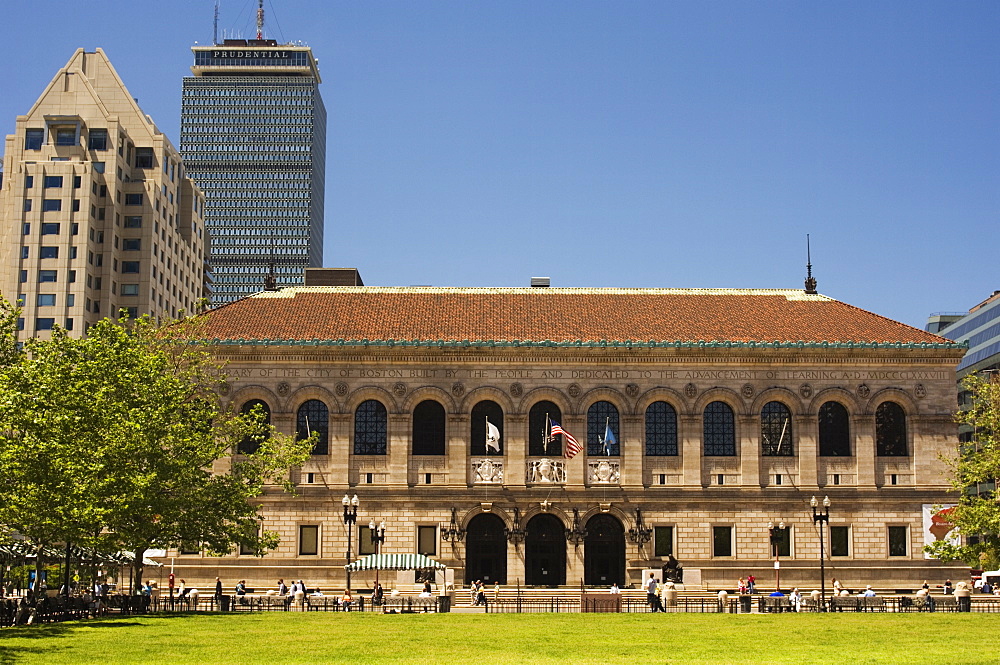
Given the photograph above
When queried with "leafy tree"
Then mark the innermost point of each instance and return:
(118, 441)
(975, 470)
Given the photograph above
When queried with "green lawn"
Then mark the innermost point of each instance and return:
(636, 639)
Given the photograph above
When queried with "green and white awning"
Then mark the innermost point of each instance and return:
(394, 562)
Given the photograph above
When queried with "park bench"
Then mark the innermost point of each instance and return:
(776, 604)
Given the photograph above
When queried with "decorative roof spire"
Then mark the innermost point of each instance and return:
(810, 280)
(260, 19)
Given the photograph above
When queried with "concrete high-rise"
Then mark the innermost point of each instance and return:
(96, 212)
(253, 133)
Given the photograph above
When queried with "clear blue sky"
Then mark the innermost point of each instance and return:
(632, 143)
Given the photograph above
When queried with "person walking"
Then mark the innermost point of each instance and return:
(651, 598)
(218, 588)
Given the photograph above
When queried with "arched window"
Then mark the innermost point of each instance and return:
(661, 429)
(834, 430)
(482, 411)
(314, 418)
(539, 417)
(370, 428)
(776, 431)
(428, 428)
(890, 430)
(719, 430)
(250, 444)
(602, 417)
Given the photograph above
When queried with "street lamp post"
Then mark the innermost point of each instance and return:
(350, 518)
(821, 518)
(775, 534)
(378, 537)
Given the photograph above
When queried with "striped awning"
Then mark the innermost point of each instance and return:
(394, 562)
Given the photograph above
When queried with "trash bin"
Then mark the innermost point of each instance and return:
(746, 604)
(444, 603)
(224, 603)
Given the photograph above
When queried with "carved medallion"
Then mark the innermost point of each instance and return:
(284, 389)
(399, 389)
(690, 391)
(340, 389)
(920, 391)
(632, 389)
(458, 389)
(516, 389)
(864, 391)
(806, 391)
(747, 391)
(224, 388)
(574, 390)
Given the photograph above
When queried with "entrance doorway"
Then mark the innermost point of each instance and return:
(604, 551)
(485, 550)
(544, 551)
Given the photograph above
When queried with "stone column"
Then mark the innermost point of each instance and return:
(341, 452)
(515, 447)
(806, 431)
(864, 453)
(748, 436)
(398, 434)
(632, 453)
(458, 449)
(690, 443)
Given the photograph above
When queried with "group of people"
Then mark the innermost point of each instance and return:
(658, 594)
(477, 592)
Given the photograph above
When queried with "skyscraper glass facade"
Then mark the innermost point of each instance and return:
(253, 134)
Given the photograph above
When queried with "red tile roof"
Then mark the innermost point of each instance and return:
(556, 314)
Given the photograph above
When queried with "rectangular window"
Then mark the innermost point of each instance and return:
(308, 540)
(24, 252)
(45, 300)
(50, 229)
(134, 199)
(132, 312)
(897, 541)
(24, 276)
(69, 324)
(98, 167)
(130, 266)
(133, 222)
(76, 229)
(131, 244)
(70, 300)
(98, 139)
(77, 182)
(27, 205)
(52, 205)
(33, 139)
(44, 323)
(49, 253)
(663, 541)
(76, 205)
(53, 181)
(65, 137)
(783, 542)
(427, 540)
(47, 275)
(722, 541)
(130, 289)
(72, 276)
(20, 324)
(144, 158)
(840, 541)
(365, 544)
(29, 181)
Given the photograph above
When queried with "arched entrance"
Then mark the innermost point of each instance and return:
(544, 551)
(604, 551)
(485, 550)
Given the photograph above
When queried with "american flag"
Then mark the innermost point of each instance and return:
(572, 445)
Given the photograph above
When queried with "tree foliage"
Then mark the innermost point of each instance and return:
(975, 470)
(118, 441)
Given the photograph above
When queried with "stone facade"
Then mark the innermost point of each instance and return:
(519, 528)
(97, 212)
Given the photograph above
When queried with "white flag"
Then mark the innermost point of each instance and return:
(492, 436)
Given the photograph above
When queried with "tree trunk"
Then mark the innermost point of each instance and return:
(137, 567)
(39, 564)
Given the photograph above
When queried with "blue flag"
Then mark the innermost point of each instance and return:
(609, 438)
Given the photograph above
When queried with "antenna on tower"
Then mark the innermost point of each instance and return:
(260, 19)
(810, 280)
(215, 24)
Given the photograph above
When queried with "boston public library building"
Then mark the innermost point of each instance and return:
(705, 419)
